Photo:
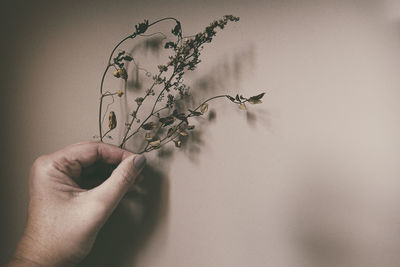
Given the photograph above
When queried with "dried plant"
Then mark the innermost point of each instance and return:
(166, 122)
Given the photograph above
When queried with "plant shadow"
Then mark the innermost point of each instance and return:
(143, 214)
(229, 72)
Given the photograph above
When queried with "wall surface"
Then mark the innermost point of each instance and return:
(308, 178)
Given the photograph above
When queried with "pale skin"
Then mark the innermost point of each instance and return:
(64, 219)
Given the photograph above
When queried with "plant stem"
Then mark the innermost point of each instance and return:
(146, 149)
(109, 64)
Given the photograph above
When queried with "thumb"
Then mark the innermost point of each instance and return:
(114, 188)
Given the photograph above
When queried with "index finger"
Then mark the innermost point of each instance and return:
(77, 156)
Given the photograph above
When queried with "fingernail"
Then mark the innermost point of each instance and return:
(139, 162)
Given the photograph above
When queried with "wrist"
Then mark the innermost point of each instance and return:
(32, 253)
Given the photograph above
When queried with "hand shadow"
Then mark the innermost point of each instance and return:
(133, 222)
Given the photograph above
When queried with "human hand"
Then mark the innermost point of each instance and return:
(63, 218)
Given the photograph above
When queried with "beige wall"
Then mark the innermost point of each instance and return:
(309, 178)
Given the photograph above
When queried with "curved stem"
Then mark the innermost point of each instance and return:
(109, 64)
(105, 134)
(157, 21)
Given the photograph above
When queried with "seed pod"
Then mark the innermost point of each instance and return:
(156, 143)
(112, 120)
(148, 137)
(183, 133)
(177, 143)
(204, 108)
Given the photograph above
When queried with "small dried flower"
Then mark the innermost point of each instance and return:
(150, 91)
(121, 73)
(162, 68)
(139, 100)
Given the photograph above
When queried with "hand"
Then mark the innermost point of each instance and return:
(63, 218)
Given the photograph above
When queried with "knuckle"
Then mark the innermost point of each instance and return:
(39, 168)
(39, 165)
(40, 162)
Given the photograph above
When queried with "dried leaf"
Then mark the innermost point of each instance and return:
(242, 106)
(177, 29)
(127, 58)
(112, 120)
(121, 53)
(180, 116)
(124, 74)
(156, 143)
(169, 45)
(148, 126)
(148, 136)
(257, 97)
(204, 108)
(255, 101)
(167, 120)
(120, 93)
(171, 131)
(142, 27)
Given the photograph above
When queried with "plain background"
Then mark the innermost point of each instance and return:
(308, 178)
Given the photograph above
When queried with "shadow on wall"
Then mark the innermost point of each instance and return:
(144, 213)
(133, 223)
